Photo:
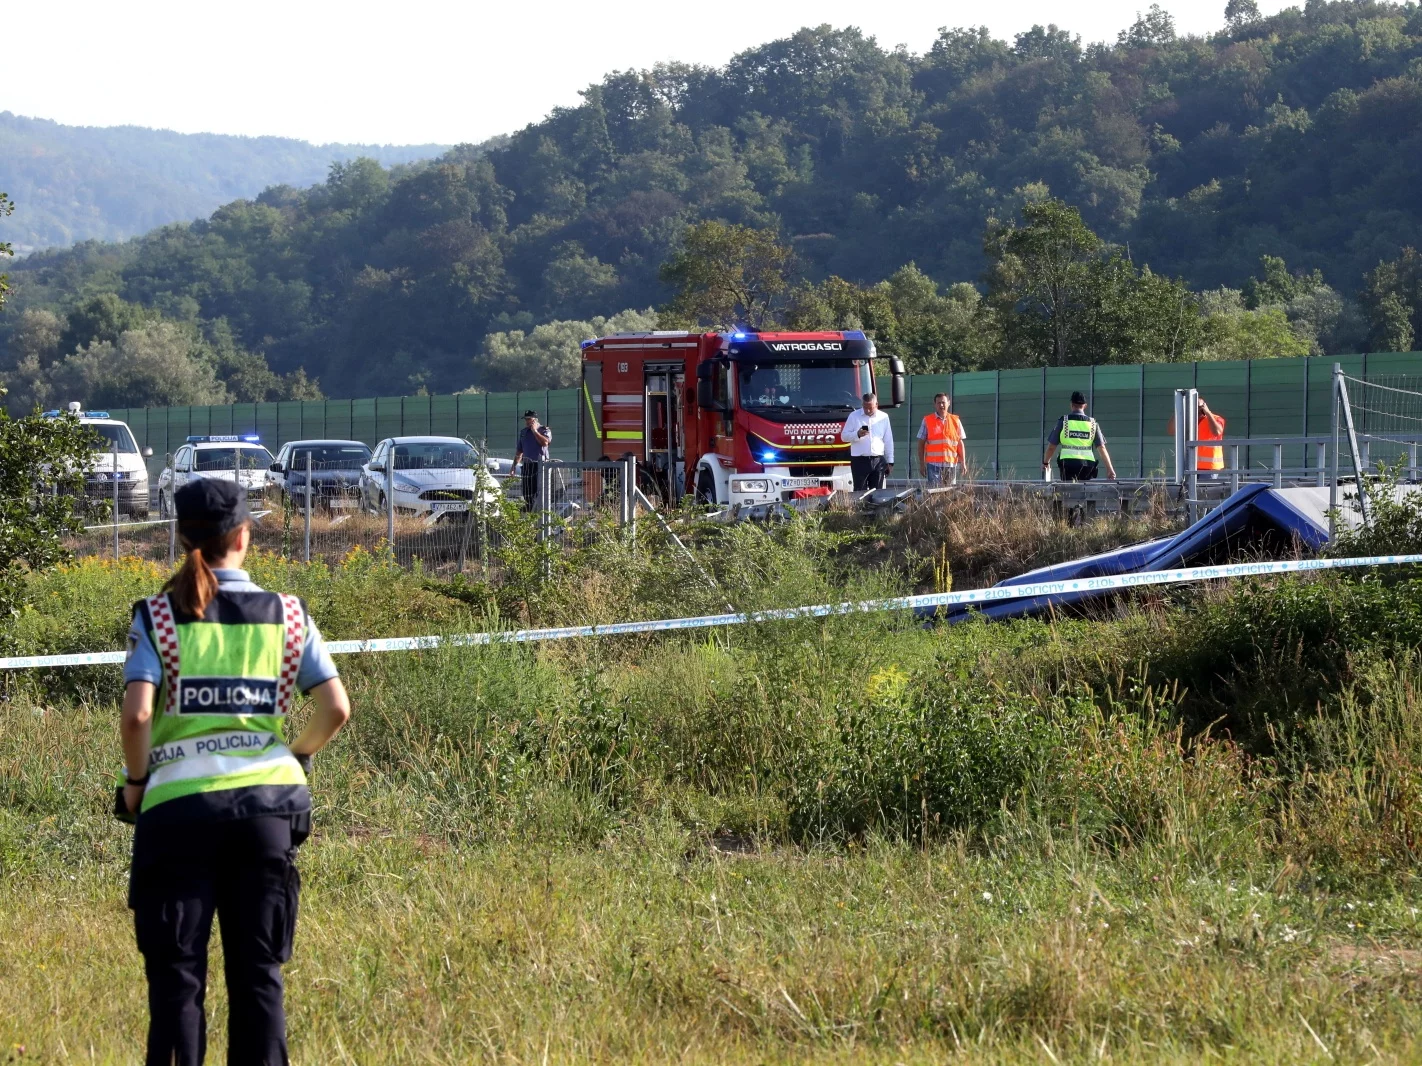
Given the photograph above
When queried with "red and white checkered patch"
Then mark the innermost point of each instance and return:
(294, 621)
(165, 633)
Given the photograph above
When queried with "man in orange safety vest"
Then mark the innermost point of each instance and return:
(1209, 461)
(940, 444)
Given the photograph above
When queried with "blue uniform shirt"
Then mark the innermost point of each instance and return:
(143, 664)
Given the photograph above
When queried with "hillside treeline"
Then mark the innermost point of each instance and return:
(1258, 185)
(85, 182)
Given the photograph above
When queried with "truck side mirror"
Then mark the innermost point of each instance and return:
(706, 387)
(896, 381)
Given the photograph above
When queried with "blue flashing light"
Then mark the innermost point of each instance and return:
(770, 457)
(225, 438)
(854, 335)
(50, 414)
(77, 414)
(738, 336)
(586, 344)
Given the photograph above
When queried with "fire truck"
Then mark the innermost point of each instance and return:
(733, 418)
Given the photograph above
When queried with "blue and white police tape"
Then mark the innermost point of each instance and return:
(895, 603)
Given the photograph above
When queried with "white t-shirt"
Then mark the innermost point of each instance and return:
(878, 441)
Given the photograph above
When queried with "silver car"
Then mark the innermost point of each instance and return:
(426, 477)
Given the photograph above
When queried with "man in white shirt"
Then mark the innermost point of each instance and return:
(871, 445)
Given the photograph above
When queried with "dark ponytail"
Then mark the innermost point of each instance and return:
(194, 586)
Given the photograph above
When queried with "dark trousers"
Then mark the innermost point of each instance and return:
(867, 471)
(244, 872)
(530, 485)
(1077, 469)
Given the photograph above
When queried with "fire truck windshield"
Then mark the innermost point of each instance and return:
(828, 385)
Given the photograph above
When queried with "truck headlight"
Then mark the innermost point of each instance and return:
(750, 486)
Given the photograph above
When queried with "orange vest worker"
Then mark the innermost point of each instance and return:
(1209, 458)
(943, 442)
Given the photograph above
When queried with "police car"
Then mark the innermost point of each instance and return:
(238, 457)
(117, 458)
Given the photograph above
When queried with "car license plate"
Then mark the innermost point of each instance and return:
(800, 483)
(341, 503)
(451, 506)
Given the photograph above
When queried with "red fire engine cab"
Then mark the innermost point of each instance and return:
(731, 417)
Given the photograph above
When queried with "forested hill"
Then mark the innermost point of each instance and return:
(77, 183)
(1297, 136)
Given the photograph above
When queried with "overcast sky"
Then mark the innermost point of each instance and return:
(423, 71)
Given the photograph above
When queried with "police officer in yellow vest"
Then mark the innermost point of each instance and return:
(220, 798)
(1077, 440)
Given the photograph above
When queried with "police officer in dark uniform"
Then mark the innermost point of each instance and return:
(219, 797)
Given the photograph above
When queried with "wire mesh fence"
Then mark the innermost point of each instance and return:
(1387, 419)
(442, 521)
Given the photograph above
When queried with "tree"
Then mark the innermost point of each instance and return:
(1040, 279)
(1244, 334)
(1154, 29)
(1277, 286)
(102, 318)
(548, 356)
(1140, 317)
(153, 366)
(37, 453)
(1392, 301)
(726, 276)
(6, 207)
(1241, 13)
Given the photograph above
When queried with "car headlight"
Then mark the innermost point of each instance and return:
(750, 486)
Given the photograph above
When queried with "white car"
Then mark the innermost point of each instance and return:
(426, 476)
(117, 458)
(241, 458)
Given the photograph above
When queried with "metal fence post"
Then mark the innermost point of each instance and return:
(1278, 466)
(1333, 457)
(390, 502)
(116, 502)
(1234, 468)
(545, 516)
(306, 546)
(172, 540)
(1321, 461)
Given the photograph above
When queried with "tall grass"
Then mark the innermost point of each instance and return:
(854, 839)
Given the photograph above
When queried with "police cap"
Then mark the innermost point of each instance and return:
(1078, 398)
(209, 508)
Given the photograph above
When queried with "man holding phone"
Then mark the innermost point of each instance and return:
(871, 445)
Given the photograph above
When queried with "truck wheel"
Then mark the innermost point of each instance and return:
(705, 486)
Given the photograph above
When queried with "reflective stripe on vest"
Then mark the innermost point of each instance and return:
(944, 438)
(1076, 438)
(227, 687)
(1209, 458)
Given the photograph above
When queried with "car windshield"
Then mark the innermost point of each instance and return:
(111, 435)
(435, 455)
(252, 457)
(834, 385)
(329, 456)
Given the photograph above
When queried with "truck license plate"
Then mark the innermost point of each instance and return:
(801, 483)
